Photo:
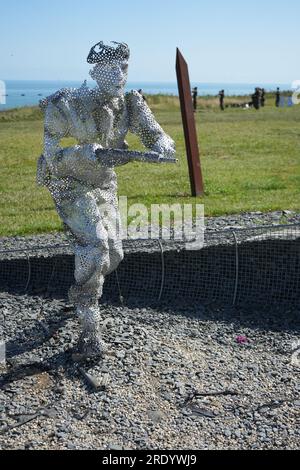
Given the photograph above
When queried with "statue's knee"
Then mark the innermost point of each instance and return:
(120, 255)
(90, 259)
(101, 243)
(101, 256)
(116, 256)
(118, 251)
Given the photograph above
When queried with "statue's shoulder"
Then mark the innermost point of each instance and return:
(58, 98)
(65, 99)
(135, 102)
(56, 110)
(133, 95)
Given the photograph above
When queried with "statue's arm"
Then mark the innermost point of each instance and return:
(142, 123)
(78, 161)
(55, 128)
(83, 162)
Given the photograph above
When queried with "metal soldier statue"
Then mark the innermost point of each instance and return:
(256, 98)
(263, 97)
(82, 180)
(277, 98)
(221, 99)
(195, 96)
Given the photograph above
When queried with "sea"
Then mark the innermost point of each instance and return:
(19, 93)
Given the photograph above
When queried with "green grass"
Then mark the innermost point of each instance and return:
(250, 161)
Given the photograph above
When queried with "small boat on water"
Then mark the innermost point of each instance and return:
(23, 94)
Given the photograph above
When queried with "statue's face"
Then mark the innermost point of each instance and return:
(111, 78)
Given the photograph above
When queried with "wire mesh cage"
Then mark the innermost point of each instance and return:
(254, 265)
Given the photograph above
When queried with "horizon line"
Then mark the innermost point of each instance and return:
(144, 81)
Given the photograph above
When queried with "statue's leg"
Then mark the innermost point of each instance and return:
(83, 219)
(86, 292)
(116, 254)
(111, 220)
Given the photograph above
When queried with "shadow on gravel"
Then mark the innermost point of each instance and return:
(31, 338)
(55, 362)
(58, 365)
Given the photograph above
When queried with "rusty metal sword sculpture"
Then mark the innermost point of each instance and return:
(188, 119)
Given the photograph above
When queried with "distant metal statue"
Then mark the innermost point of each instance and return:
(256, 98)
(82, 180)
(277, 98)
(195, 98)
(221, 99)
(263, 97)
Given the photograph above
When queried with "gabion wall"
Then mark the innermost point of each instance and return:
(260, 266)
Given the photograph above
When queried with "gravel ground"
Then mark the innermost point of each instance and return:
(157, 365)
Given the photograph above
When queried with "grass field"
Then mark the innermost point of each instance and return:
(250, 161)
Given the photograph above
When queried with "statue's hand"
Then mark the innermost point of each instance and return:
(169, 150)
(166, 147)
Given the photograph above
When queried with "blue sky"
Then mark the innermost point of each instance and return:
(222, 40)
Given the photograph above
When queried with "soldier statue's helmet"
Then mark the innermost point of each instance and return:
(104, 54)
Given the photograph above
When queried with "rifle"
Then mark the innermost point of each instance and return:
(116, 157)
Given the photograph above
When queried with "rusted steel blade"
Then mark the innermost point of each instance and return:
(189, 126)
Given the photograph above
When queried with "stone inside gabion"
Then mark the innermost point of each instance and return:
(81, 178)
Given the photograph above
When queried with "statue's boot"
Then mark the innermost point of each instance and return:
(90, 343)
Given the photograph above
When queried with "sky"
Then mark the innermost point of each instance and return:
(223, 41)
